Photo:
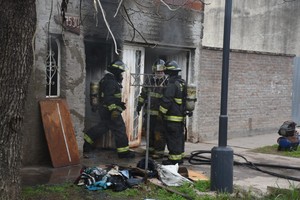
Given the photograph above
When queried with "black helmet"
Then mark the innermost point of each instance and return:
(288, 128)
(158, 65)
(117, 65)
(172, 66)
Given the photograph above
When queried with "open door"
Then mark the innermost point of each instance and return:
(133, 57)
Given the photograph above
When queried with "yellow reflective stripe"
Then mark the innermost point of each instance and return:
(141, 99)
(181, 87)
(175, 157)
(117, 95)
(153, 112)
(163, 110)
(174, 118)
(112, 107)
(118, 66)
(155, 95)
(171, 67)
(122, 149)
(178, 100)
(160, 152)
(88, 139)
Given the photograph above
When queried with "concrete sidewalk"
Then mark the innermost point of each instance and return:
(242, 176)
(249, 178)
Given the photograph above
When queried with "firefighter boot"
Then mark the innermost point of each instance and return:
(87, 147)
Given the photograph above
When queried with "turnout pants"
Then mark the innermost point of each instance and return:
(174, 133)
(117, 127)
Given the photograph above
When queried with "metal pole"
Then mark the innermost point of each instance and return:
(148, 130)
(222, 156)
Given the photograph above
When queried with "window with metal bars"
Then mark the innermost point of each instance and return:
(53, 68)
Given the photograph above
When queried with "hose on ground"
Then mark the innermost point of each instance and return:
(197, 158)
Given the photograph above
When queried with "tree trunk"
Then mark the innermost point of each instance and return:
(17, 27)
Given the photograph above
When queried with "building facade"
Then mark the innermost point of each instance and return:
(72, 53)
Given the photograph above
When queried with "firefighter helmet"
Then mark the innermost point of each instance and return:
(288, 128)
(117, 65)
(172, 66)
(158, 66)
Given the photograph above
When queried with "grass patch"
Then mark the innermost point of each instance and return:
(273, 150)
(284, 194)
(149, 191)
(202, 186)
(143, 191)
(63, 191)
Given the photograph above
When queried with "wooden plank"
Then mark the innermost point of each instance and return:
(196, 176)
(59, 132)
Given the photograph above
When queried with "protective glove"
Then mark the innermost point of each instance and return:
(190, 114)
(123, 106)
(115, 114)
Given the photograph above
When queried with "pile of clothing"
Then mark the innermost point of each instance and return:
(115, 177)
(120, 178)
(96, 178)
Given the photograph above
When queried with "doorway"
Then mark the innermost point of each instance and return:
(98, 57)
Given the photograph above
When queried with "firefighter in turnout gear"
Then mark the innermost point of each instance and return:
(110, 109)
(155, 88)
(172, 109)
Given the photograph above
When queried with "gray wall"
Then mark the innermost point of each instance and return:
(35, 150)
(160, 26)
(260, 25)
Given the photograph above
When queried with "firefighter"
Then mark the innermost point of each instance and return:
(155, 88)
(110, 109)
(172, 109)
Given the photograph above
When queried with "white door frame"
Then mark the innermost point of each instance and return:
(134, 58)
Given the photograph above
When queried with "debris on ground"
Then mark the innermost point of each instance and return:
(120, 178)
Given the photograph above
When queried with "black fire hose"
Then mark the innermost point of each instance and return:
(197, 158)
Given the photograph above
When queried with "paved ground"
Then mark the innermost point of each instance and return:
(249, 178)
(242, 176)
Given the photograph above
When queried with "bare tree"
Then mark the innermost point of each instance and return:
(17, 28)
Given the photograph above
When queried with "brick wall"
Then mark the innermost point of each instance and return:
(259, 93)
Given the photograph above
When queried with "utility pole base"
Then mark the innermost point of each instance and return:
(221, 172)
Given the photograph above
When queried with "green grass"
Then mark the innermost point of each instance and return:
(68, 191)
(71, 191)
(273, 150)
(62, 192)
(284, 194)
(143, 191)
